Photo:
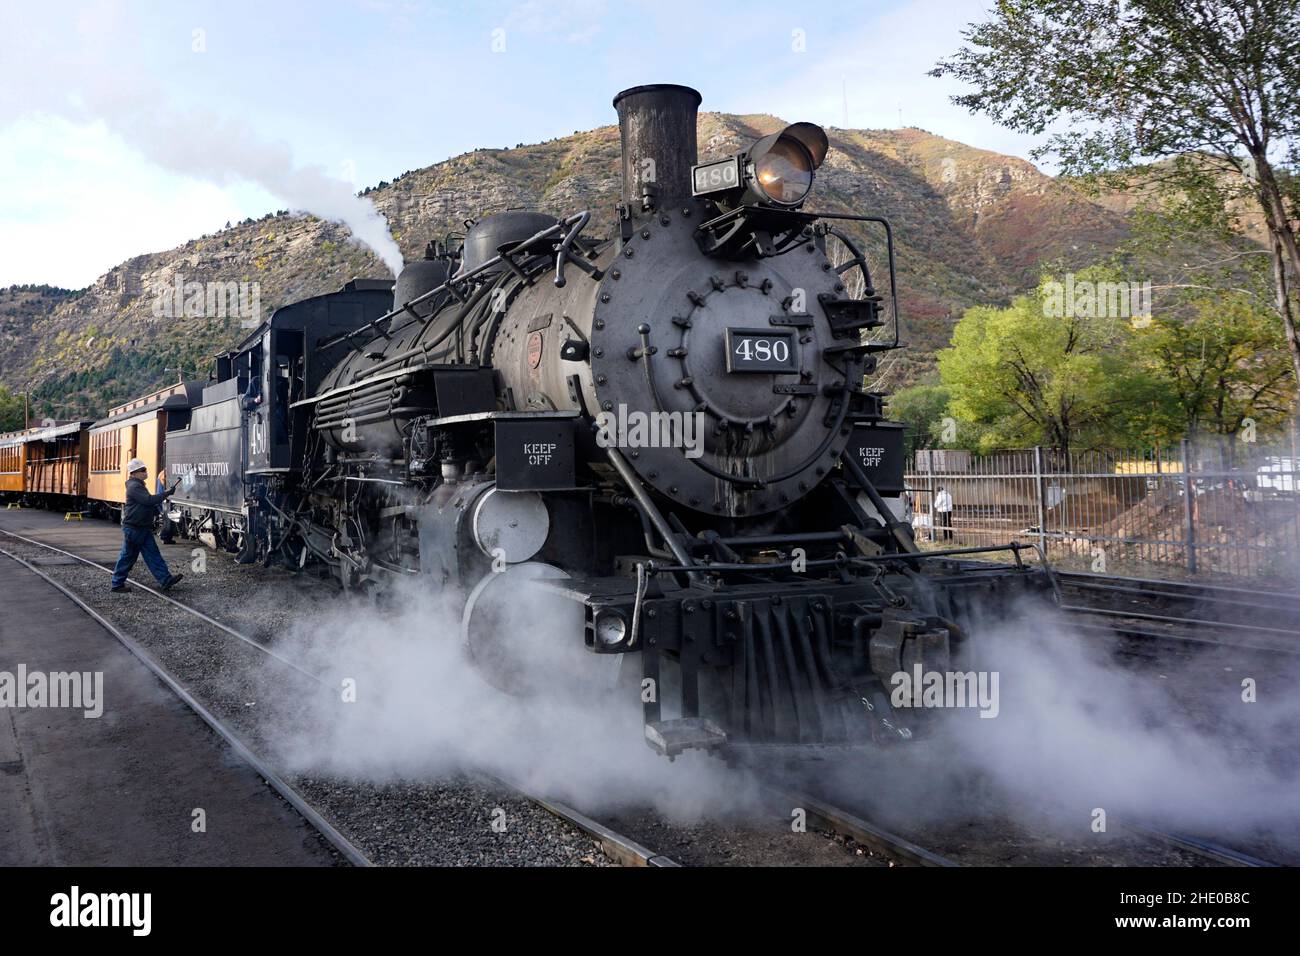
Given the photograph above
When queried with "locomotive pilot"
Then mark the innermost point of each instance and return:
(138, 514)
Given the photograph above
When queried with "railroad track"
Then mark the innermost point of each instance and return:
(617, 846)
(1145, 608)
(1216, 852)
(904, 850)
(291, 796)
(846, 824)
(620, 849)
(1190, 613)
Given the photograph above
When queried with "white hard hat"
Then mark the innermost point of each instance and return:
(134, 465)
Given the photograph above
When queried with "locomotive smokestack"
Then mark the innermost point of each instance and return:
(656, 125)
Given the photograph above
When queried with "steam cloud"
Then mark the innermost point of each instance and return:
(1077, 730)
(423, 710)
(1167, 741)
(94, 78)
(222, 151)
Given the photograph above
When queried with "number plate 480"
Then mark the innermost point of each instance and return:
(761, 350)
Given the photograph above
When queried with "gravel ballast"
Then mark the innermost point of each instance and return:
(456, 818)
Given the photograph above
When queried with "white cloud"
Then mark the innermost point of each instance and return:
(882, 66)
(78, 201)
(552, 16)
(89, 80)
(585, 35)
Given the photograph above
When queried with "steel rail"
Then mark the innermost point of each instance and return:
(619, 848)
(1181, 637)
(1171, 619)
(1181, 589)
(861, 831)
(891, 844)
(1210, 602)
(1205, 848)
(1206, 614)
(312, 816)
(171, 600)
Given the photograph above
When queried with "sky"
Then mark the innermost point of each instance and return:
(130, 127)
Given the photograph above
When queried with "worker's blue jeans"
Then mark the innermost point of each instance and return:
(137, 542)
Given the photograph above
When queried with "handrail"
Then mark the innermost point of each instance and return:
(800, 216)
(1015, 547)
(467, 278)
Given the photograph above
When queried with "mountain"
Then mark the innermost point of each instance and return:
(21, 308)
(971, 227)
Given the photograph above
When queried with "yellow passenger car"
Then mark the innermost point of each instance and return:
(45, 465)
(136, 429)
(13, 460)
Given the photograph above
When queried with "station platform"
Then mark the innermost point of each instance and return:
(98, 540)
(119, 789)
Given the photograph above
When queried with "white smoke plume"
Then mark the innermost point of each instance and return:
(223, 150)
(1081, 728)
(80, 67)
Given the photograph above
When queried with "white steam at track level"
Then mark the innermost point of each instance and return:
(422, 710)
(1165, 738)
(1170, 743)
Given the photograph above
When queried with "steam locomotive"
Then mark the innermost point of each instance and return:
(664, 433)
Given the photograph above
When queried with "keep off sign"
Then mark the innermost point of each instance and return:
(878, 449)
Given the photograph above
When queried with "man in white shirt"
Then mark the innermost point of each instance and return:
(943, 512)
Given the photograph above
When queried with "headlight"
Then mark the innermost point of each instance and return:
(776, 170)
(785, 172)
(611, 627)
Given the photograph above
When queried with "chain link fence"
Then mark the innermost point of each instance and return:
(1209, 510)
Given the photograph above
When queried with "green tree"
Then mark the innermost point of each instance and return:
(1133, 80)
(11, 410)
(922, 408)
(1032, 374)
(1214, 341)
(1221, 366)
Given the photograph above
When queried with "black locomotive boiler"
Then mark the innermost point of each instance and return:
(666, 430)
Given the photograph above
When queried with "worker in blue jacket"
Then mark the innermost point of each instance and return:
(138, 515)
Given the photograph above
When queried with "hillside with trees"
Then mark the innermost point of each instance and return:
(972, 227)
